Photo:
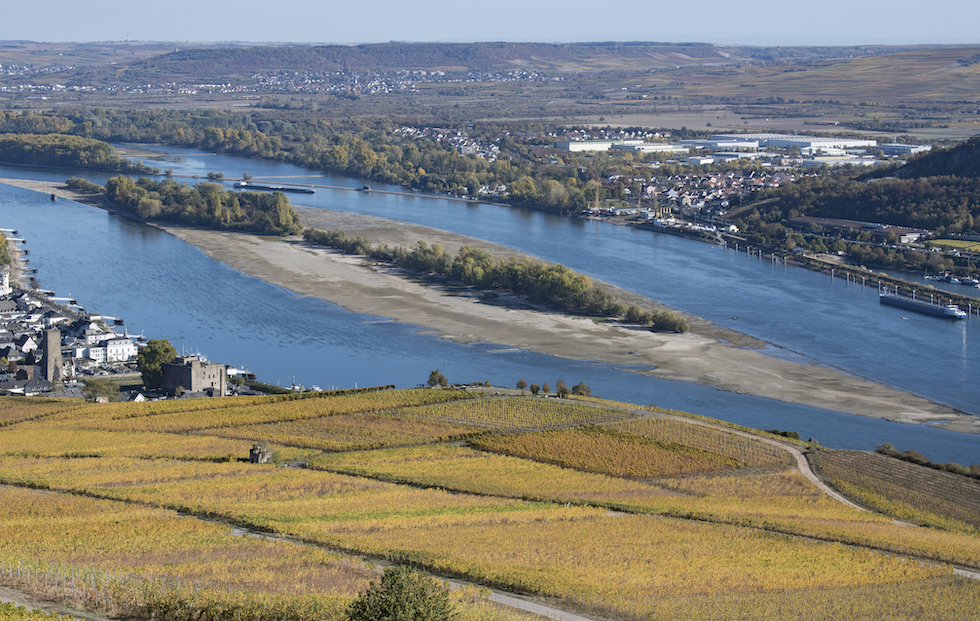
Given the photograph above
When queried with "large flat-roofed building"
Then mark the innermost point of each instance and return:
(651, 147)
(904, 149)
(625, 145)
(785, 141)
(730, 145)
(585, 145)
(194, 374)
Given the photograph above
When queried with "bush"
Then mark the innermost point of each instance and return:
(84, 185)
(100, 390)
(581, 390)
(402, 595)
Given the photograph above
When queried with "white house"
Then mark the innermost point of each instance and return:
(119, 349)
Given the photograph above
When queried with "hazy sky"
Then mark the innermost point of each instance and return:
(760, 22)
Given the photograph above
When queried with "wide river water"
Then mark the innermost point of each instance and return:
(165, 288)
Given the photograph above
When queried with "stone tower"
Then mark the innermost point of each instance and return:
(51, 347)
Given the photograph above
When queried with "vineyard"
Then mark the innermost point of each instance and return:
(596, 506)
(514, 414)
(905, 490)
(747, 451)
(344, 432)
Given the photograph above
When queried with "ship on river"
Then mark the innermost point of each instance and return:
(919, 305)
(248, 185)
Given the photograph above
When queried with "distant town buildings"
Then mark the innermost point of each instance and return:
(44, 346)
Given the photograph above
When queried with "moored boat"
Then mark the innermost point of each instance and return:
(248, 185)
(950, 311)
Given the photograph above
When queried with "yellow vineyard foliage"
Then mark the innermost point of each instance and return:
(611, 452)
(704, 526)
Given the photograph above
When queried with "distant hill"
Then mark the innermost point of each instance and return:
(244, 61)
(962, 161)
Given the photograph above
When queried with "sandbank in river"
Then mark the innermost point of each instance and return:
(708, 354)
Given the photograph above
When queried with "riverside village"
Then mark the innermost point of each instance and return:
(51, 346)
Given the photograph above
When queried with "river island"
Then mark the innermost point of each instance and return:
(708, 354)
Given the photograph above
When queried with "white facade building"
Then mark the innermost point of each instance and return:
(904, 149)
(785, 141)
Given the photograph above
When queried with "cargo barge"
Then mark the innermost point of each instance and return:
(248, 185)
(950, 311)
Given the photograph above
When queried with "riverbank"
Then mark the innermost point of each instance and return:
(463, 315)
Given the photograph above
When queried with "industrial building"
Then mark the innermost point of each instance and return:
(714, 145)
(786, 141)
(904, 149)
(626, 145)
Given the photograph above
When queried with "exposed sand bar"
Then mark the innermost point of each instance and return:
(462, 315)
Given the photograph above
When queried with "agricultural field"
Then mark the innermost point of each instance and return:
(349, 432)
(608, 451)
(15, 410)
(904, 490)
(597, 508)
(955, 244)
(514, 413)
(748, 452)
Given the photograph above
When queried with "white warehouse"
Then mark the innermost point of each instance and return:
(785, 141)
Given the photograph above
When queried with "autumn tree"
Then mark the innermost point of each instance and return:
(562, 390)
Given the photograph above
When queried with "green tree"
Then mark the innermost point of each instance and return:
(581, 390)
(151, 358)
(535, 389)
(402, 595)
(100, 389)
(562, 390)
(437, 379)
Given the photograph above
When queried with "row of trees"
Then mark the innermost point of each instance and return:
(916, 457)
(207, 204)
(553, 285)
(561, 389)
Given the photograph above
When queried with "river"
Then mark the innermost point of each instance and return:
(166, 289)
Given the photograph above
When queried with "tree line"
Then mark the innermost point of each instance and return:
(205, 204)
(65, 151)
(946, 204)
(551, 284)
(373, 149)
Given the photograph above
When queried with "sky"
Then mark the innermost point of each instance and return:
(752, 22)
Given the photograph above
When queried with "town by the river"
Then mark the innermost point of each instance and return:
(166, 288)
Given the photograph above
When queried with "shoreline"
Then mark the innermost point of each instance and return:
(708, 355)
